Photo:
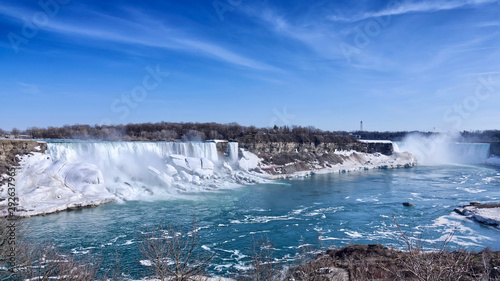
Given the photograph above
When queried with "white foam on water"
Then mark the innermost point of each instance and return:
(471, 190)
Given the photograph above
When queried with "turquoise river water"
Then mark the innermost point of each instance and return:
(331, 210)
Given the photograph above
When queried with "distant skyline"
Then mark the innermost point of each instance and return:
(395, 65)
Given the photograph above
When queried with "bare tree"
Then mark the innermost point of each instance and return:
(15, 132)
(264, 267)
(21, 260)
(173, 252)
(44, 261)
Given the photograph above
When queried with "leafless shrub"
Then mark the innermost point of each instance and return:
(174, 252)
(438, 263)
(46, 262)
(413, 259)
(263, 266)
(21, 260)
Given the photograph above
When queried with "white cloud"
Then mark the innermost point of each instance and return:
(399, 8)
(145, 33)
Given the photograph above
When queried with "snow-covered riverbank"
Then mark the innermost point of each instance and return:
(488, 214)
(351, 161)
(77, 175)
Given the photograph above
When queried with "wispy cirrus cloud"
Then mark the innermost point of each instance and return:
(147, 33)
(400, 8)
(316, 36)
(27, 88)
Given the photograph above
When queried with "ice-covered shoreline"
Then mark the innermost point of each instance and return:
(488, 214)
(353, 161)
(45, 185)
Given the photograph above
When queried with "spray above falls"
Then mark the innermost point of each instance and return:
(439, 149)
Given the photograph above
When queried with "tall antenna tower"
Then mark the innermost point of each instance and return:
(361, 126)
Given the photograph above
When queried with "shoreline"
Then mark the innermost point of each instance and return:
(45, 186)
(487, 214)
(356, 161)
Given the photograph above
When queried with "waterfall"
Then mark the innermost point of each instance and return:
(111, 152)
(132, 168)
(232, 152)
(444, 149)
(395, 147)
(471, 153)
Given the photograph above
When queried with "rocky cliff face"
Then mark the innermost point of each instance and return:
(9, 149)
(281, 153)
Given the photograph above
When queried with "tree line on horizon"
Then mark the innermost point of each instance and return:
(169, 131)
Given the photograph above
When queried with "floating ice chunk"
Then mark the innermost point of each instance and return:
(171, 170)
(207, 164)
(193, 163)
(168, 180)
(177, 156)
(179, 161)
(228, 168)
(204, 173)
(196, 180)
(185, 176)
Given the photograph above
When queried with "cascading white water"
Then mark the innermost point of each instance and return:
(109, 152)
(232, 151)
(443, 149)
(135, 167)
(471, 153)
(395, 147)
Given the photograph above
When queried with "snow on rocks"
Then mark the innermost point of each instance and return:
(171, 170)
(207, 164)
(163, 177)
(179, 162)
(351, 161)
(249, 161)
(488, 214)
(193, 163)
(44, 186)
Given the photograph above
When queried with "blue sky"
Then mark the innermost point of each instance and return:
(396, 65)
